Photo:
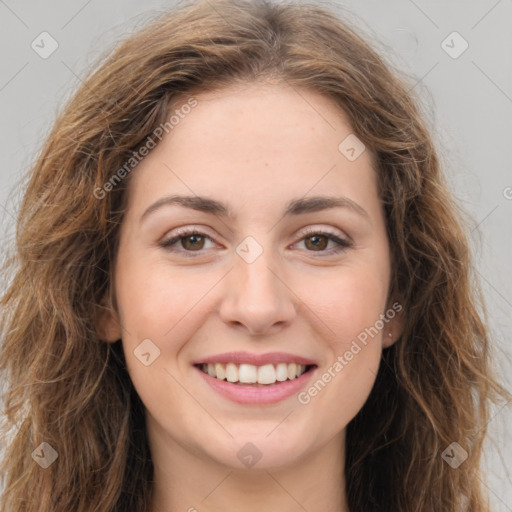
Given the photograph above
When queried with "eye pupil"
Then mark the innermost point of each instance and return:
(195, 241)
(317, 243)
(186, 239)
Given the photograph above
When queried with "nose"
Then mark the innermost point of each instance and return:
(256, 298)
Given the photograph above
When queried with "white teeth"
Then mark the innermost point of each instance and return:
(247, 373)
(251, 374)
(221, 374)
(281, 372)
(266, 374)
(231, 372)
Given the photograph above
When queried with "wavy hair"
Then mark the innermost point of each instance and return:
(66, 387)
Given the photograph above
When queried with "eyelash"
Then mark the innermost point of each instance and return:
(186, 232)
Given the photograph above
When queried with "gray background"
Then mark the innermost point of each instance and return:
(468, 100)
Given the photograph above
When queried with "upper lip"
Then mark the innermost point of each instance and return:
(255, 359)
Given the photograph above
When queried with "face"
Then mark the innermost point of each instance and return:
(257, 277)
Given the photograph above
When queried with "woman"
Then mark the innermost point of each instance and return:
(241, 284)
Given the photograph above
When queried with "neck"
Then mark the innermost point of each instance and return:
(189, 482)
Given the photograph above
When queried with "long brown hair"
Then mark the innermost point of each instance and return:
(67, 388)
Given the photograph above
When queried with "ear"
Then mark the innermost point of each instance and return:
(107, 322)
(395, 324)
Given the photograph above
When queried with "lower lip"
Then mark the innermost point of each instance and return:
(257, 395)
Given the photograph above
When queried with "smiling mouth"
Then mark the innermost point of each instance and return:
(254, 376)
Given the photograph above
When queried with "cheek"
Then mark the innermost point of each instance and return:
(351, 308)
(163, 304)
(351, 303)
(166, 306)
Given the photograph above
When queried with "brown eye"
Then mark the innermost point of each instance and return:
(190, 242)
(317, 242)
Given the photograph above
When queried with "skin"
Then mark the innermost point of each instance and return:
(255, 148)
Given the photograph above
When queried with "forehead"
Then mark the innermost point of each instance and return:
(254, 145)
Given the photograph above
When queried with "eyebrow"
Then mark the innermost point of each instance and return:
(294, 207)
